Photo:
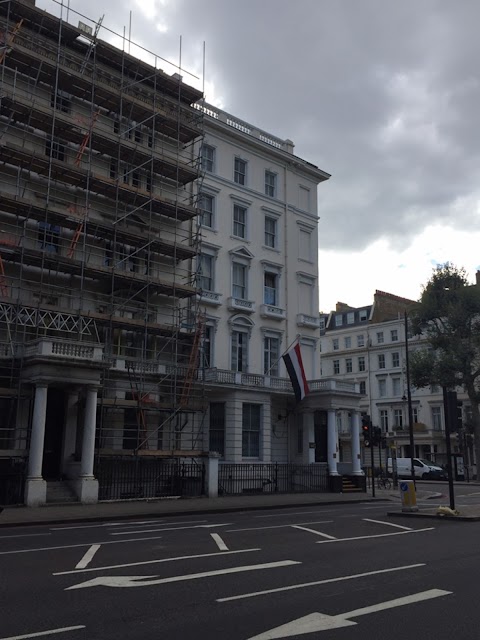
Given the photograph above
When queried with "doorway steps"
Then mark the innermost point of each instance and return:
(60, 492)
(350, 487)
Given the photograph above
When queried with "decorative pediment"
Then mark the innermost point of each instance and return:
(242, 252)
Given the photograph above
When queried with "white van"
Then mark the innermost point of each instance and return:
(425, 469)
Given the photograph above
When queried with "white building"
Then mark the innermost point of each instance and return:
(138, 336)
(367, 345)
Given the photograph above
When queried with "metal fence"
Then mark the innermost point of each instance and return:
(134, 478)
(12, 481)
(272, 478)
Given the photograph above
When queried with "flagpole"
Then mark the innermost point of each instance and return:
(277, 361)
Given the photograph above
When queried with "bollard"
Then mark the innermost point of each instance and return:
(408, 495)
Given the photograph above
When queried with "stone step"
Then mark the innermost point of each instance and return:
(60, 492)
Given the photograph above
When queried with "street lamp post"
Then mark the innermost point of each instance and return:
(409, 400)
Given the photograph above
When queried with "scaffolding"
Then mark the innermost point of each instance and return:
(98, 238)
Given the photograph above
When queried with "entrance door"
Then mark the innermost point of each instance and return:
(321, 436)
(54, 425)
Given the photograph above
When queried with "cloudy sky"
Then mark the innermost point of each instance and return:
(381, 94)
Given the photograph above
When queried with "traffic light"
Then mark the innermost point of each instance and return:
(366, 430)
(455, 418)
(377, 436)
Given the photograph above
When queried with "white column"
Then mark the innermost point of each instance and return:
(211, 473)
(36, 487)
(332, 442)
(356, 461)
(87, 486)
(308, 437)
(90, 423)
(35, 458)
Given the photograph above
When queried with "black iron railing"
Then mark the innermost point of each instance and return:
(12, 481)
(272, 478)
(124, 478)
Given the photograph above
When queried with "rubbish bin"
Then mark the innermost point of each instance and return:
(408, 495)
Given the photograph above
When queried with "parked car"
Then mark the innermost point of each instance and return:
(425, 469)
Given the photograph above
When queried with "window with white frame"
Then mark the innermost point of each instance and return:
(338, 320)
(415, 414)
(361, 363)
(348, 365)
(217, 427)
(270, 184)
(437, 418)
(381, 361)
(62, 101)
(271, 355)
(350, 317)
(207, 347)
(380, 338)
(270, 232)
(240, 171)
(336, 367)
(239, 355)
(363, 387)
(348, 342)
(394, 335)
(251, 428)
(55, 149)
(239, 221)
(206, 206)
(239, 280)
(335, 344)
(270, 288)
(398, 418)
(395, 359)
(206, 272)
(382, 387)
(362, 315)
(396, 386)
(360, 340)
(384, 420)
(338, 416)
(208, 158)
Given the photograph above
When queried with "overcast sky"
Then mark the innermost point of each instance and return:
(381, 94)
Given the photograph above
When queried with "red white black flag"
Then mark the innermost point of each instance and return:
(294, 364)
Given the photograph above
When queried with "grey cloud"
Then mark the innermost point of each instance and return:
(335, 76)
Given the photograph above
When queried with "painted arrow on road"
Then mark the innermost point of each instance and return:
(148, 581)
(322, 622)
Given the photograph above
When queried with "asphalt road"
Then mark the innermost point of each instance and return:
(332, 572)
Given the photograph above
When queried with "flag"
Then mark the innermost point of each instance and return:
(294, 364)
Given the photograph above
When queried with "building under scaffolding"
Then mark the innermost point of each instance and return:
(99, 329)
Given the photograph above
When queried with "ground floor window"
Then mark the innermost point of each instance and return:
(251, 420)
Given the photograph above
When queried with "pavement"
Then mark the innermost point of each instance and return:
(125, 510)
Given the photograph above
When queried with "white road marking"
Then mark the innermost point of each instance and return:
(147, 581)
(378, 535)
(322, 622)
(161, 560)
(278, 526)
(45, 633)
(88, 557)
(318, 533)
(220, 543)
(74, 546)
(302, 585)
(295, 513)
(198, 526)
(388, 524)
(467, 495)
(26, 535)
(123, 524)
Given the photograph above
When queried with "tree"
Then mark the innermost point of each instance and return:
(448, 316)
